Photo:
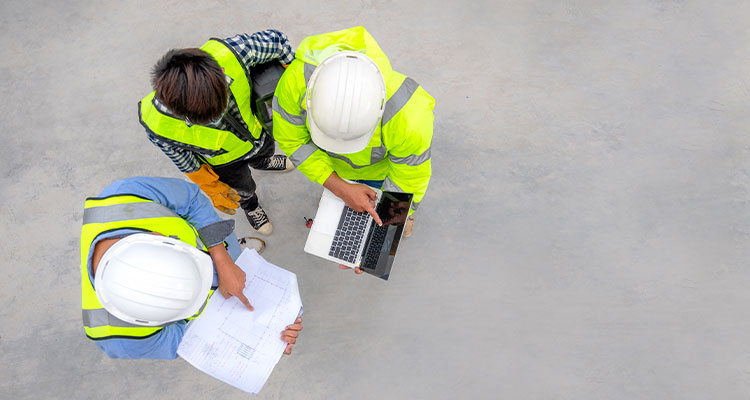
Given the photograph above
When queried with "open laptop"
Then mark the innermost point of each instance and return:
(340, 234)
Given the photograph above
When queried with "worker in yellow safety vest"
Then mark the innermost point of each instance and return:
(341, 114)
(153, 251)
(203, 116)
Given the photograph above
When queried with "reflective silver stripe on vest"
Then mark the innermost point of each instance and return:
(309, 69)
(389, 186)
(205, 303)
(303, 152)
(97, 317)
(377, 154)
(302, 111)
(412, 160)
(346, 160)
(399, 99)
(126, 211)
(291, 118)
(129, 211)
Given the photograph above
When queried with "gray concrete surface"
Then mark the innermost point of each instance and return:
(586, 234)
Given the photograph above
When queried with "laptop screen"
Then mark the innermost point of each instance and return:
(383, 241)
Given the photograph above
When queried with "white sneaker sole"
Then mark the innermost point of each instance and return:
(265, 229)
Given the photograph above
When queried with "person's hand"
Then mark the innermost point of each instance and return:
(290, 335)
(226, 201)
(361, 198)
(232, 283)
(223, 197)
(231, 277)
(357, 196)
(357, 270)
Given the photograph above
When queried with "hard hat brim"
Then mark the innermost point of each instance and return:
(327, 143)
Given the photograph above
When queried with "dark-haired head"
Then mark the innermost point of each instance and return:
(191, 84)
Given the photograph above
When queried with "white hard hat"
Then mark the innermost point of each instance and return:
(150, 280)
(345, 101)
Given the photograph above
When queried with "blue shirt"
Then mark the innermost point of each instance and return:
(187, 201)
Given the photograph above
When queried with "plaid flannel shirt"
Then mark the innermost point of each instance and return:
(258, 48)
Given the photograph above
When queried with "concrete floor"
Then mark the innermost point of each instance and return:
(586, 234)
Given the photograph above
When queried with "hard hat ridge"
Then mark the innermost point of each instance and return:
(345, 101)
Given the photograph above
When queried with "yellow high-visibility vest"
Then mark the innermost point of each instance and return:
(399, 151)
(221, 147)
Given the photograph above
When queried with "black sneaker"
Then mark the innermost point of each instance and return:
(279, 162)
(259, 220)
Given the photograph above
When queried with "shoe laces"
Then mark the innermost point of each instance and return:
(277, 162)
(257, 217)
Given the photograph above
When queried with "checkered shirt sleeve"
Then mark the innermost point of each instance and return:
(185, 160)
(261, 47)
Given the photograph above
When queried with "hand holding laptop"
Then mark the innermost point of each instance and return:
(357, 270)
(353, 239)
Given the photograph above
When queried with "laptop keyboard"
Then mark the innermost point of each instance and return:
(349, 235)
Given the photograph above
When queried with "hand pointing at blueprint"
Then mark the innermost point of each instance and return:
(241, 347)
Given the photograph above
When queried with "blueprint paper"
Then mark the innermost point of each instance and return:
(239, 346)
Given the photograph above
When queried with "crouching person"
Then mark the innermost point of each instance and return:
(153, 250)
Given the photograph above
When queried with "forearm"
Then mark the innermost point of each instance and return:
(410, 162)
(409, 179)
(336, 185)
(231, 277)
(222, 260)
(261, 47)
